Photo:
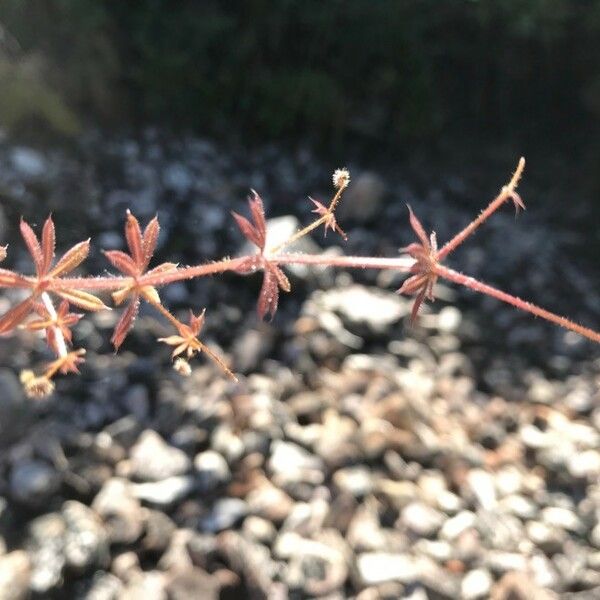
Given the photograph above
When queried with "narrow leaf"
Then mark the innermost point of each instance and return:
(48, 244)
(282, 280)
(33, 246)
(122, 261)
(149, 240)
(249, 231)
(125, 323)
(268, 298)
(16, 315)
(14, 280)
(416, 305)
(82, 299)
(133, 234)
(258, 216)
(71, 259)
(418, 228)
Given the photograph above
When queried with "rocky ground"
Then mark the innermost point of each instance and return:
(358, 457)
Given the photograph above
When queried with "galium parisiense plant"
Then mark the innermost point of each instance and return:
(51, 296)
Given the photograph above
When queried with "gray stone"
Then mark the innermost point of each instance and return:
(16, 412)
(547, 538)
(421, 519)
(379, 567)
(33, 482)
(595, 536)
(29, 163)
(15, 572)
(192, 583)
(152, 459)
(86, 541)
(45, 545)
(260, 530)
(292, 463)
(225, 513)
(500, 562)
(585, 464)
(457, 525)
(363, 198)
(103, 586)
(120, 510)
(165, 492)
(356, 481)
(476, 584)
(483, 487)
(361, 305)
(520, 506)
(212, 470)
(137, 402)
(564, 518)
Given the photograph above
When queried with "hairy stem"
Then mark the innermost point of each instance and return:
(483, 288)
(505, 194)
(399, 263)
(61, 346)
(299, 234)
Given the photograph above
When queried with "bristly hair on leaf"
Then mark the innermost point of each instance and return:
(141, 250)
(42, 255)
(274, 278)
(255, 232)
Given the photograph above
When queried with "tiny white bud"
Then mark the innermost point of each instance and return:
(341, 178)
(182, 366)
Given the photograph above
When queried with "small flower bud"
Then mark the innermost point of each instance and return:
(341, 179)
(36, 387)
(182, 366)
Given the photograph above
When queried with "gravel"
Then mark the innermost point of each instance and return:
(357, 457)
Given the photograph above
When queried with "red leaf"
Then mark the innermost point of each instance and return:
(14, 280)
(15, 316)
(282, 280)
(125, 323)
(418, 228)
(268, 299)
(33, 246)
(417, 304)
(82, 299)
(249, 231)
(258, 216)
(71, 259)
(122, 261)
(48, 244)
(133, 234)
(255, 232)
(149, 240)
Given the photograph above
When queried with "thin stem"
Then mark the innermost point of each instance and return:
(306, 230)
(299, 234)
(166, 313)
(505, 194)
(114, 283)
(483, 288)
(61, 346)
(98, 284)
(400, 263)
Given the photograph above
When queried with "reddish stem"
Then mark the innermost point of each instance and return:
(483, 288)
(400, 263)
(505, 194)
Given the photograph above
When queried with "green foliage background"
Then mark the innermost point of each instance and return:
(384, 69)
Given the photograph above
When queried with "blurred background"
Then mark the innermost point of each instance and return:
(455, 459)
